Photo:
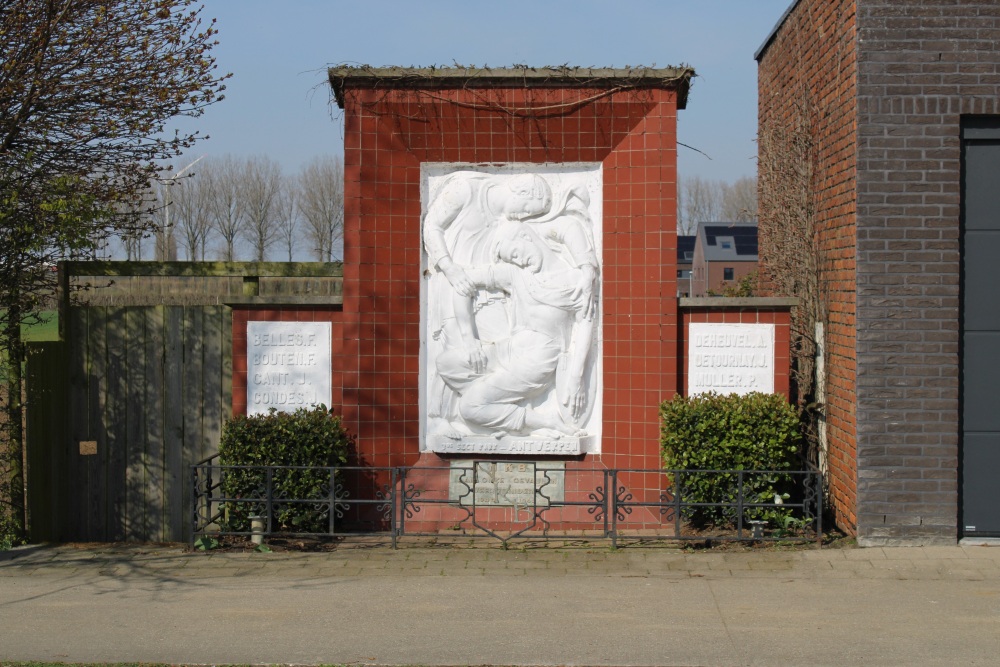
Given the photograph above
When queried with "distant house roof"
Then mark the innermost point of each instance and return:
(729, 241)
(685, 249)
(677, 78)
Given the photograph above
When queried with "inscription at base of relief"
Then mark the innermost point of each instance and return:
(531, 446)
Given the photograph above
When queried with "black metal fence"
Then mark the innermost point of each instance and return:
(508, 500)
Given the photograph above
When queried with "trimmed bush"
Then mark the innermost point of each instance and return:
(314, 438)
(729, 433)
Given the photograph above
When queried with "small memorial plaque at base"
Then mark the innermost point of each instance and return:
(507, 483)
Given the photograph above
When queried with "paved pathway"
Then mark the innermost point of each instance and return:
(455, 606)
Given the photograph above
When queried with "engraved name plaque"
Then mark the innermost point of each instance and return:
(730, 358)
(508, 483)
(288, 366)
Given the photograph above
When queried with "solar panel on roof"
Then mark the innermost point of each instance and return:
(743, 237)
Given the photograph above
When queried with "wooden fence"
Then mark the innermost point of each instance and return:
(143, 395)
(132, 396)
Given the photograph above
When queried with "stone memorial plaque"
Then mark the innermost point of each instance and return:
(730, 358)
(511, 308)
(289, 366)
(507, 483)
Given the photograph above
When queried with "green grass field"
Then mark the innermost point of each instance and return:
(47, 330)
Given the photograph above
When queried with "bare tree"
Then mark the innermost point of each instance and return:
(790, 265)
(702, 202)
(188, 211)
(792, 174)
(191, 215)
(706, 200)
(132, 245)
(164, 237)
(286, 218)
(321, 203)
(739, 200)
(259, 187)
(220, 180)
(165, 218)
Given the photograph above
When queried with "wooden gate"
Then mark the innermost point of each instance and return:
(118, 413)
(138, 389)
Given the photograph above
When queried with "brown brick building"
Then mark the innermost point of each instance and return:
(891, 107)
(724, 253)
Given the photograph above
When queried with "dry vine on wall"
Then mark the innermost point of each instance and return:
(790, 267)
(798, 167)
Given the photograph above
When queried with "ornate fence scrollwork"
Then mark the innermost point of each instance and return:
(534, 501)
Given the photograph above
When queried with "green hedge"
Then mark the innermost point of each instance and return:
(729, 432)
(307, 437)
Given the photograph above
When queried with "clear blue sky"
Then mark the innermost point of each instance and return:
(277, 102)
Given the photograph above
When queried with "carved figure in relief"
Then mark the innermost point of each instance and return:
(567, 230)
(549, 343)
(457, 232)
(466, 310)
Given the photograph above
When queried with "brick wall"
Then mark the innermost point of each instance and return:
(389, 133)
(922, 65)
(716, 275)
(806, 77)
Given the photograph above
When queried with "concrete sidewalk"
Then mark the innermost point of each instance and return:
(454, 606)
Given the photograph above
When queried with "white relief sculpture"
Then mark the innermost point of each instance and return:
(512, 312)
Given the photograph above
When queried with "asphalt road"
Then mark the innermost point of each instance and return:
(931, 606)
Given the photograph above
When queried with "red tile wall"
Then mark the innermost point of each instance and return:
(389, 133)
